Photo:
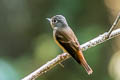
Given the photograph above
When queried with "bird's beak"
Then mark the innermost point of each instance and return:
(49, 19)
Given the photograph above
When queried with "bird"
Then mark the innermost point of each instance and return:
(66, 39)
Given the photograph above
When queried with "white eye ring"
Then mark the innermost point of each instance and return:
(54, 21)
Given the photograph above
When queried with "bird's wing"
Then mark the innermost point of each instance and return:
(67, 38)
(69, 42)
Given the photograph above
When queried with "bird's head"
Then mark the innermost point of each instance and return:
(57, 21)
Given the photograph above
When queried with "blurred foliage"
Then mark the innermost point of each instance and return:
(44, 45)
(114, 66)
(7, 71)
(26, 41)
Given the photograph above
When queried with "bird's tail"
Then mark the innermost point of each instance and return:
(84, 63)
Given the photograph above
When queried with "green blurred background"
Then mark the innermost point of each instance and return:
(26, 41)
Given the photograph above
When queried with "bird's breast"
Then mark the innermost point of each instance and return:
(57, 42)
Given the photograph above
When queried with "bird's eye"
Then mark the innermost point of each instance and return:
(55, 21)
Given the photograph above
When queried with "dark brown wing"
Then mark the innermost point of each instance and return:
(67, 39)
(68, 42)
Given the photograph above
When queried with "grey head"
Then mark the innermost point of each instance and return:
(58, 21)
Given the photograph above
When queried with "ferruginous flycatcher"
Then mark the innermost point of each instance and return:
(67, 41)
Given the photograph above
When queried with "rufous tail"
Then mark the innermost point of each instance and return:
(84, 63)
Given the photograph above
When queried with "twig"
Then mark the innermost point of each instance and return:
(46, 67)
(100, 39)
(49, 65)
(114, 24)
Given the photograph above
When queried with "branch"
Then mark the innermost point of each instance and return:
(50, 64)
(98, 40)
(114, 24)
